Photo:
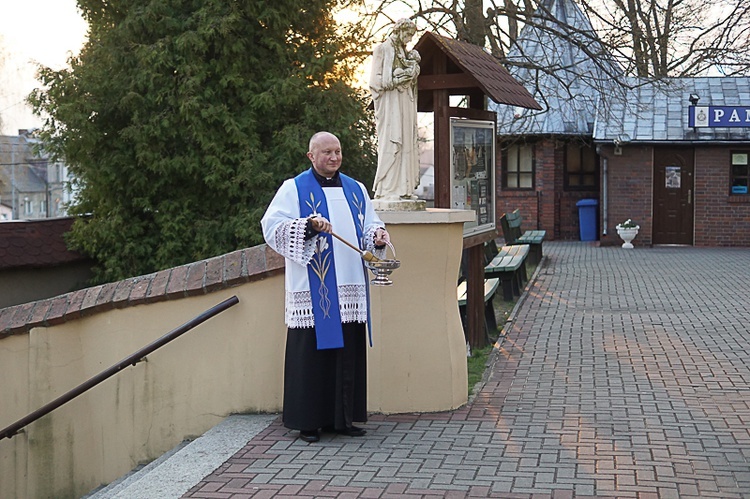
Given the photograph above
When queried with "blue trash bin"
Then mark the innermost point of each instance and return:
(587, 218)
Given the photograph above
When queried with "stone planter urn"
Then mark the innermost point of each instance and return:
(627, 232)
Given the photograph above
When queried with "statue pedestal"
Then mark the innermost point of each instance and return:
(418, 359)
(383, 204)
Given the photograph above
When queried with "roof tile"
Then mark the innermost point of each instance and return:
(662, 111)
(36, 243)
(6, 317)
(256, 260)
(227, 270)
(21, 317)
(565, 78)
(104, 300)
(491, 76)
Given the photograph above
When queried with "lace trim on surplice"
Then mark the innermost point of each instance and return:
(290, 241)
(352, 305)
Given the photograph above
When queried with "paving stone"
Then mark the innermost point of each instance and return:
(617, 377)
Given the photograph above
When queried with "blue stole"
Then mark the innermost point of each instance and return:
(321, 271)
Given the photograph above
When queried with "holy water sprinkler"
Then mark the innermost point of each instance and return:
(366, 255)
(382, 267)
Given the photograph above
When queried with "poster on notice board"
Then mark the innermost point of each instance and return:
(472, 172)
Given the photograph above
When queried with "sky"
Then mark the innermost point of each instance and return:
(40, 31)
(43, 31)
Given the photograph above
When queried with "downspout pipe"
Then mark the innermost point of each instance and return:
(605, 183)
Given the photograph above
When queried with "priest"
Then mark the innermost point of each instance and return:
(327, 300)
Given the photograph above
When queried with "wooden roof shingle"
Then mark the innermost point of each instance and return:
(485, 71)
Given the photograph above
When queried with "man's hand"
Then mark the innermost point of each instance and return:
(382, 237)
(321, 224)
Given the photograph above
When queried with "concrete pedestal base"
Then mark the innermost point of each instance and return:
(418, 360)
(399, 204)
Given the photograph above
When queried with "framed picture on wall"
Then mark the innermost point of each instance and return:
(473, 172)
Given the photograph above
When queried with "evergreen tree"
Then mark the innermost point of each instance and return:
(180, 119)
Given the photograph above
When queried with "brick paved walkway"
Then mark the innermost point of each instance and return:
(623, 374)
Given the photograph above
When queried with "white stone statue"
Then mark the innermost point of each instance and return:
(393, 85)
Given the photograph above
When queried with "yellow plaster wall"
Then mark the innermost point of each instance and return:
(232, 363)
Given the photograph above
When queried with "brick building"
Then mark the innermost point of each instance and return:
(639, 149)
(35, 262)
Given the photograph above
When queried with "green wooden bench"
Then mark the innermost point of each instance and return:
(490, 287)
(508, 264)
(513, 234)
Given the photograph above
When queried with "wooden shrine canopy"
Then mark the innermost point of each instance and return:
(451, 67)
(465, 69)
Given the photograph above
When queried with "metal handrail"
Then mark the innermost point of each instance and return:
(133, 359)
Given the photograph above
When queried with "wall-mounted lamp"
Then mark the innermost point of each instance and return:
(694, 98)
(619, 141)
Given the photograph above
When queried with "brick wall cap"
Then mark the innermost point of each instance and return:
(204, 276)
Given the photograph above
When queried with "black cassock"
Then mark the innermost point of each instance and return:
(325, 388)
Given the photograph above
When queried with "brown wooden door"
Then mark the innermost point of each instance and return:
(673, 196)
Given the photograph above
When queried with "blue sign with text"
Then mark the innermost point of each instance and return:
(719, 116)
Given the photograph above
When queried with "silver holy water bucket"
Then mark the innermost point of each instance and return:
(383, 268)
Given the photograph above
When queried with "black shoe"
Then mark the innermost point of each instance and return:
(309, 436)
(352, 431)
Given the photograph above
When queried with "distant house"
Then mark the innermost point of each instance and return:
(30, 185)
(35, 262)
(6, 212)
(646, 151)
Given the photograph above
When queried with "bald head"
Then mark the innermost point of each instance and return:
(318, 137)
(325, 153)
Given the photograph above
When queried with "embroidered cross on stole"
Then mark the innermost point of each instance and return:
(321, 270)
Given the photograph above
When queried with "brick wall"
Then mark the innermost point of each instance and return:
(528, 202)
(549, 207)
(630, 189)
(720, 218)
(549, 161)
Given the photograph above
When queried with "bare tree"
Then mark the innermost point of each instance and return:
(467, 20)
(3, 59)
(677, 38)
(649, 38)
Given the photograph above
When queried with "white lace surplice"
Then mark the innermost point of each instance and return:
(284, 231)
